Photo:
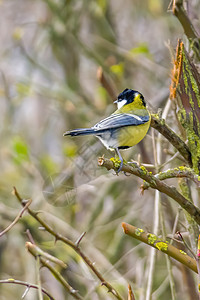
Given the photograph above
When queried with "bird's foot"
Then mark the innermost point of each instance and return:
(120, 168)
(126, 174)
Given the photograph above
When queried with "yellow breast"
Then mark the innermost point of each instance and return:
(132, 135)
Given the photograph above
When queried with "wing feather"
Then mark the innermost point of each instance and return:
(120, 120)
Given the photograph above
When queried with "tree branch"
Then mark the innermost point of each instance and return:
(17, 218)
(180, 13)
(153, 241)
(74, 246)
(190, 32)
(45, 262)
(179, 172)
(184, 91)
(27, 284)
(155, 183)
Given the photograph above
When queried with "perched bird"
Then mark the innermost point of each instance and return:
(126, 127)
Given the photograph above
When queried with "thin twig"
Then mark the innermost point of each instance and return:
(17, 218)
(152, 255)
(186, 244)
(156, 220)
(80, 239)
(38, 277)
(162, 219)
(198, 262)
(30, 236)
(169, 160)
(27, 284)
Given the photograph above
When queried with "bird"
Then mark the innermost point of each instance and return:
(124, 128)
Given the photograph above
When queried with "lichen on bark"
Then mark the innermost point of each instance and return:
(185, 90)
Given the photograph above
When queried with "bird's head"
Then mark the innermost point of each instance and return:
(132, 97)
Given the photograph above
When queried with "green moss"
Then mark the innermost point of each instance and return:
(152, 238)
(187, 119)
(138, 231)
(116, 161)
(193, 82)
(144, 170)
(162, 246)
(184, 189)
(182, 116)
(194, 145)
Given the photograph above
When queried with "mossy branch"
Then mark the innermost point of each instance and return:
(179, 172)
(153, 241)
(155, 183)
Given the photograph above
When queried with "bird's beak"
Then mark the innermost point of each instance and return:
(115, 101)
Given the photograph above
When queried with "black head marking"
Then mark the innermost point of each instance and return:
(129, 95)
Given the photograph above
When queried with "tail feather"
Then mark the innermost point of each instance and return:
(80, 131)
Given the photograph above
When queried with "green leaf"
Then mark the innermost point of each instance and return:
(20, 149)
(141, 49)
(118, 69)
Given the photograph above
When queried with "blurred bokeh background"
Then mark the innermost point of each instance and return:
(50, 56)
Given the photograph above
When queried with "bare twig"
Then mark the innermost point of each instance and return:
(27, 284)
(80, 239)
(30, 236)
(38, 277)
(196, 257)
(169, 160)
(180, 13)
(156, 216)
(32, 249)
(39, 252)
(108, 86)
(65, 240)
(17, 218)
(198, 262)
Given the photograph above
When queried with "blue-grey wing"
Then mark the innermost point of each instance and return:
(120, 120)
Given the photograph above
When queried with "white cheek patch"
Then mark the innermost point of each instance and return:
(121, 103)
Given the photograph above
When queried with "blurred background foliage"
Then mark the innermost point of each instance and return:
(49, 57)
